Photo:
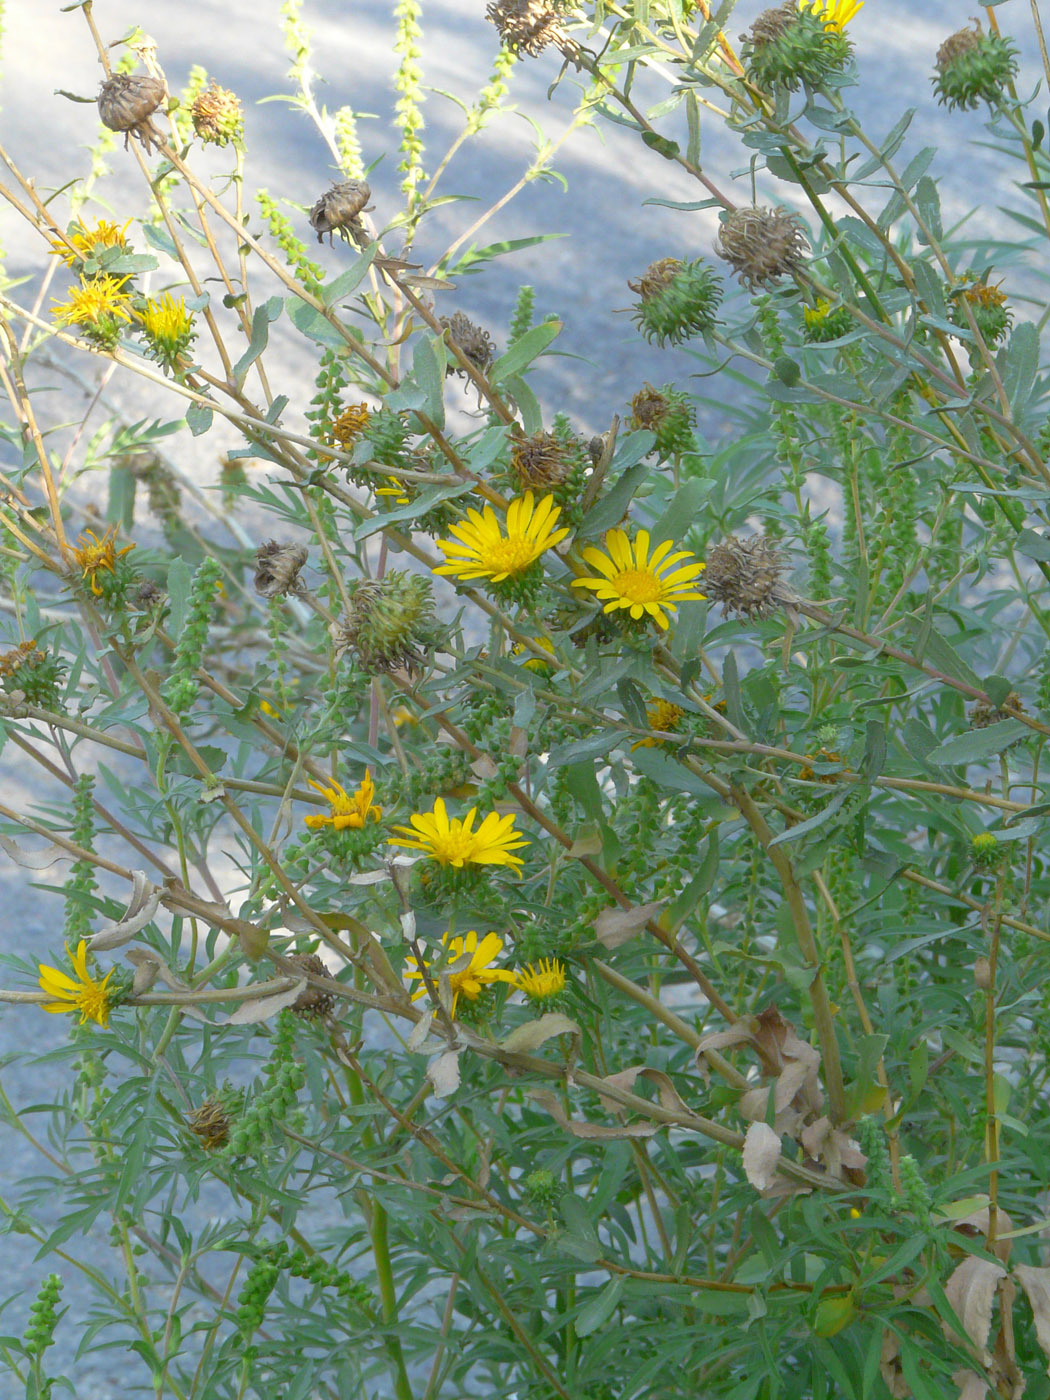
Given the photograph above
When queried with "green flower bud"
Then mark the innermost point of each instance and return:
(390, 624)
(972, 67)
(678, 300)
(669, 414)
(788, 46)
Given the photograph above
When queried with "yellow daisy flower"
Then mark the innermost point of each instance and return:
(87, 994)
(346, 811)
(95, 555)
(662, 715)
(168, 328)
(450, 841)
(81, 242)
(468, 964)
(632, 578)
(836, 14)
(99, 304)
(543, 981)
(481, 550)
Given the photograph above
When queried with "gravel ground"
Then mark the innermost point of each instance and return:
(608, 234)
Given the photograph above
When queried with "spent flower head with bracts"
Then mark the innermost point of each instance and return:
(528, 26)
(94, 556)
(973, 67)
(482, 551)
(987, 306)
(127, 101)
(339, 211)
(312, 1003)
(350, 424)
(353, 812)
(678, 300)
(277, 569)
(217, 117)
(99, 307)
(762, 245)
(746, 576)
(796, 44)
(669, 414)
(453, 842)
(84, 993)
(468, 965)
(389, 624)
(643, 584)
(665, 717)
(474, 343)
(167, 328)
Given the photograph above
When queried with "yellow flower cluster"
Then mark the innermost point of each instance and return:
(468, 965)
(84, 993)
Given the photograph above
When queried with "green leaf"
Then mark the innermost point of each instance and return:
(311, 323)
(428, 370)
(524, 351)
(598, 1309)
(1033, 546)
(198, 418)
(345, 283)
(178, 584)
(659, 766)
(978, 745)
(610, 509)
(260, 334)
(795, 833)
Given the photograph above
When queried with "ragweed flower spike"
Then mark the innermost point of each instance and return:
(126, 103)
(643, 584)
(469, 966)
(480, 550)
(353, 812)
(94, 556)
(455, 843)
(85, 994)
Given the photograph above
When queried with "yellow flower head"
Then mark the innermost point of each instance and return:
(350, 424)
(836, 14)
(86, 994)
(397, 489)
(168, 328)
(662, 715)
(99, 305)
(468, 964)
(81, 242)
(346, 811)
(817, 315)
(632, 578)
(543, 981)
(532, 662)
(481, 550)
(94, 555)
(450, 841)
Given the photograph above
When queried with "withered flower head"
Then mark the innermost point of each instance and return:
(669, 414)
(217, 117)
(470, 340)
(542, 461)
(147, 596)
(983, 713)
(528, 26)
(747, 577)
(389, 625)
(312, 1002)
(126, 102)
(972, 67)
(772, 25)
(762, 245)
(277, 569)
(339, 211)
(210, 1124)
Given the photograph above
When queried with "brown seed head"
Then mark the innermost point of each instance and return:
(126, 102)
(471, 340)
(747, 577)
(350, 424)
(339, 211)
(771, 25)
(983, 714)
(210, 1124)
(277, 569)
(541, 461)
(762, 245)
(216, 115)
(528, 26)
(956, 45)
(312, 1002)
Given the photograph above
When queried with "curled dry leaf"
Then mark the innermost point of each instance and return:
(145, 899)
(1036, 1284)
(622, 1079)
(762, 1148)
(615, 926)
(443, 1073)
(971, 1292)
(591, 1131)
(533, 1034)
(33, 860)
(262, 1008)
(149, 965)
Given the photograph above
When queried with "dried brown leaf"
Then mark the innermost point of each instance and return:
(591, 1131)
(615, 926)
(249, 1013)
(971, 1292)
(443, 1073)
(533, 1034)
(1036, 1284)
(762, 1148)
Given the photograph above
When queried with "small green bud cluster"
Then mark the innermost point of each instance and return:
(308, 273)
(542, 1187)
(284, 1078)
(678, 300)
(315, 1269)
(254, 1295)
(182, 686)
(43, 1317)
(524, 310)
(973, 67)
(871, 1135)
(81, 884)
(915, 1194)
(786, 47)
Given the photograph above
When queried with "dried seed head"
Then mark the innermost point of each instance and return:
(542, 461)
(771, 25)
(147, 596)
(987, 304)
(350, 424)
(312, 1002)
(126, 102)
(528, 26)
(789, 46)
(471, 340)
(277, 569)
(762, 245)
(669, 414)
(390, 623)
(210, 1124)
(217, 117)
(678, 300)
(747, 577)
(983, 713)
(339, 211)
(972, 67)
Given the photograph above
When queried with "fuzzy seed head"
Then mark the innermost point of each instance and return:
(210, 1124)
(217, 117)
(747, 577)
(277, 569)
(470, 340)
(542, 461)
(528, 26)
(339, 211)
(762, 245)
(312, 1002)
(126, 102)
